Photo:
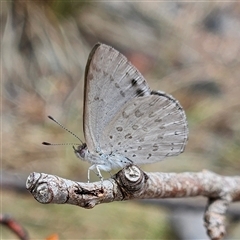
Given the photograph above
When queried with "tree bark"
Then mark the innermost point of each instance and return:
(132, 183)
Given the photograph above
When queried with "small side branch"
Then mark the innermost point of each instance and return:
(132, 183)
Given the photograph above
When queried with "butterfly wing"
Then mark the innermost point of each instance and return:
(147, 129)
(110, 82)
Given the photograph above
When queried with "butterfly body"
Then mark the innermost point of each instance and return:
(124, 121)
(100, 160)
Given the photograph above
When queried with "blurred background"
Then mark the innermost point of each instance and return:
(189, 50)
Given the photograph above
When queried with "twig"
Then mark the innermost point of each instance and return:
(14, 226)
(132, 183)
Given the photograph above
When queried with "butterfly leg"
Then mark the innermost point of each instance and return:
(88, 178)
(97, 172)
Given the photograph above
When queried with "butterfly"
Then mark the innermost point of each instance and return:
(124, 121)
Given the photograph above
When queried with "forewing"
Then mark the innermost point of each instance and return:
(110, 82)
(147, 129)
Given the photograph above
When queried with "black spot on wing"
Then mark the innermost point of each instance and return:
(140, 92)
(134, 82)
(149, 155)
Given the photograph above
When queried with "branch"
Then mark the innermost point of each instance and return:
(132, 183)
(14, 226)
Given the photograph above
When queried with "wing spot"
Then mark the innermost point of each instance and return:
(158, 119)
(119, 143)
(151, 115)
(128, 136)
(149, 155)
(159, 137)
(122, 93)
(145, 129)
(110, 136)
(155, 147)
(135, 127)
(125, 150)
(134, 155)
(138, 113)
(140, 92)
(119, 129)
(134, 82)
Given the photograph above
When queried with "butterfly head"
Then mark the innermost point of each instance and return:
(81, 151)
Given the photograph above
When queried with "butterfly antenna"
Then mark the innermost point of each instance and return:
(59, 124)
(57, 144)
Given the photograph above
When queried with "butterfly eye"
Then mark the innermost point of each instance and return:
(81, 151)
